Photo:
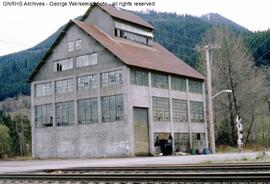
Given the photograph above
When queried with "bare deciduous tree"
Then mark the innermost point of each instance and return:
(233, 68)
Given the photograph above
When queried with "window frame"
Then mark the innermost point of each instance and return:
(78, 44)
(88, 111)
(67, 113)
(180, 110)
(115, 80)
(61, 87)
(197, 111)
(40, 91)
(70, 46)
(44, 115)
(161, 109)
(114, 105)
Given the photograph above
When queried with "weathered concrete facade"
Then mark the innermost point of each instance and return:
(101, 139)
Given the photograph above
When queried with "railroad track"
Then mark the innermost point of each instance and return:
(197, 174)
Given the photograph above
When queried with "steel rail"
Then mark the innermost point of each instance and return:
(230, 176)
(172, 167)
(236, 172)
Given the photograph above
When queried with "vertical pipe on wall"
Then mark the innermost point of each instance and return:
(189, 120)
(171, 112)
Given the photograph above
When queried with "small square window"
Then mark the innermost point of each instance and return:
(78, 44)
(70, 46)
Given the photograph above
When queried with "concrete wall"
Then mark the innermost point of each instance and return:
(102, 19)
(110, 139)
(141, 96)
(93, 140)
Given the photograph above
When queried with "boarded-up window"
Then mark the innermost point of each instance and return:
(161, 109)
(112, 108)
(88, 111)
(179, 110)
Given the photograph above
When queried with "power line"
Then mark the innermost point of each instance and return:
(14, 43)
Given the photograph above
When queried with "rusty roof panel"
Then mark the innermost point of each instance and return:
(139, 55)
(125, 15)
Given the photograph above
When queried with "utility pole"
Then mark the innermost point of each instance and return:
(208, 49)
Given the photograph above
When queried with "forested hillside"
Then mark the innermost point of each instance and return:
(178, 33)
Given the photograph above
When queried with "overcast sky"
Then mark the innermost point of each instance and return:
(22, 27)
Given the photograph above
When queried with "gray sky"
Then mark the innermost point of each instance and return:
(25, 26)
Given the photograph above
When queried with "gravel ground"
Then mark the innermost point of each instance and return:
(33, 165)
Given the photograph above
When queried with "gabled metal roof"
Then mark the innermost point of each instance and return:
(134, 54)
(122, 15)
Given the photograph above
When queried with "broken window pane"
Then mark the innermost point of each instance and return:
(161, 109)
(112, 108)
(64, 113)
(44, 116)
(87, 111)
(111, 78)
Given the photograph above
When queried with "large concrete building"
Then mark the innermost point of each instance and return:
(106, 89)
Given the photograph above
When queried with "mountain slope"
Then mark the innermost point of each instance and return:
(218, 20)
(178, 33)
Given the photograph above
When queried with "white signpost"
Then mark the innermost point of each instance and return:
(239, 127)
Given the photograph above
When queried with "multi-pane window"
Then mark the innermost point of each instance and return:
(70, 46)
(181, 142)
(159, 80)
(195, 86)
(139, 77)
(88, 111)
(112, 108)
(64, 113)
(161, 109)
(87, 82)
(178, 83)
(78, 44)
(43, 89)
(64, 86)
(44, 115)
(111, 78)
(86, 60)
(65, 64)
(179, 110)
(196, 111)
(198, 140)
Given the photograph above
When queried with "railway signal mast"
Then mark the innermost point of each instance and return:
(239, 127)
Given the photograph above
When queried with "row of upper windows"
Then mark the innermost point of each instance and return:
(87, 82)
(111, 110)
(81, 61)
(158, 80)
